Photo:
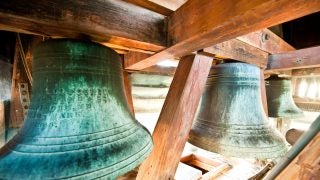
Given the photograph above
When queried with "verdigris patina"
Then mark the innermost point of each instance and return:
(78, 125)
(231, 120)
(279, 98)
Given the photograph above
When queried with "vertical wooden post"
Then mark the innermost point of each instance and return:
(176, 117)
(263, 93)
(16, 112)
(128, 91)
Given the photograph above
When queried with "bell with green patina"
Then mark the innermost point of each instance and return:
(230, 118)
(79, 125)
(279, 98)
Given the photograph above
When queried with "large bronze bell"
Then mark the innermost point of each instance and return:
(230, 118)
(78, 125)
(279, 98)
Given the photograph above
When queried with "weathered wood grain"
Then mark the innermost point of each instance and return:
(306, 72)
(18, 75)
(263, 93)
(267, 41)
(177, 114)
(237, 50)
(170, 4)
(128, 90)
(202, 23)
(306, 165)
(151, 6)
(303, 58)
(132, 57)
(111, 21)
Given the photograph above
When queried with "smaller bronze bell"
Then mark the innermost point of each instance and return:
(230, 119)
(279, 98)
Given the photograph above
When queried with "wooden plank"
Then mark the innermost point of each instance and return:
(202, 23)
(303, 58)
(115, 22)
(151, 6)
(306, 165)
(306, 72)
(237, 50)
(267, 41)
(128, 91)
(133, 57)
(263, 93)
(170, 4)
(175, 120)
(18, 76)
(156, 69)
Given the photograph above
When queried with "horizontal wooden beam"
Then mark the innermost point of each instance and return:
(303, 58)
(306, 72)
(115, 22)
(133, 57)
(151, 6)
(170, 4)
(237, 50)
(156, 69)
(202, 23)
(267, 41)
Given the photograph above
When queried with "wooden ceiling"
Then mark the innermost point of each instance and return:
(163, 29)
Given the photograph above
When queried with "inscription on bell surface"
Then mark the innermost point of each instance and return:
(78, 124)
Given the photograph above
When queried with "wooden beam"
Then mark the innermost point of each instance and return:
(306, 164)
(237, 50)
(134, 57)
(303, 58)
(128, 91)
(263, 93)
(170, 4)
(151, 6)
(306, 72)
(115, 22)
(202, 23)
(177, 114)
(266, 41)
(18, 76)
(156, 69)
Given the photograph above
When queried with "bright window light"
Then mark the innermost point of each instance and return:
(302, 88)
(318, 89)
(168, 63)
(312, 90)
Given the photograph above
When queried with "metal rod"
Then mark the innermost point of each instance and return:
(295, 150)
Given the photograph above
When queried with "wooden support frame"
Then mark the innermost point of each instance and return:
(267, 41)
(303, 58)
(263, 93)
(306, 164)
(237, 50)
(306, 72)
(177, 114)
(151, 6)
(128, 90)
(108, 21)
(212, 21)
(16, 110)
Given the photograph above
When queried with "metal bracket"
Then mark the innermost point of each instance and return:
(24, 97)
